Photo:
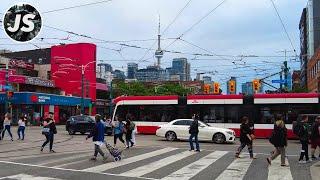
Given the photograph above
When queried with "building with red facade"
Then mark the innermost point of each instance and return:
(313, 72)
(50, 80)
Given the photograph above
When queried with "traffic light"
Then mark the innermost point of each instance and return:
(10, 94)
(206, 88)
(232, 87)
(216, 88)
(256, 85)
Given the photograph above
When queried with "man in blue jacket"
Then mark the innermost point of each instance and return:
(97, 135)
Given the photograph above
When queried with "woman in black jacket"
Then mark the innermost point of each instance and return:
(245, 137)
(194, 131)
(279, 140)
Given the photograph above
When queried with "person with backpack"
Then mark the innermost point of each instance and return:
(129, 126)
(246, 137)
(118, 128)
(315, 137)
(303, 134)
(279, 140)
(97, 135)
(21, 128)
(7, 125)
(194, 131)
(49, 130)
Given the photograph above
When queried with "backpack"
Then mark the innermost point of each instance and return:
(297, 130)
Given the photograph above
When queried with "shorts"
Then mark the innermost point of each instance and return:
(315, 143)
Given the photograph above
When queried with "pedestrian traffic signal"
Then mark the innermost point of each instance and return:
(206, 88)
(216, 88)
(10, 94)
(256, 85)
(232, 87)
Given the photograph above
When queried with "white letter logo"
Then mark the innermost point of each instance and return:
(22, 22)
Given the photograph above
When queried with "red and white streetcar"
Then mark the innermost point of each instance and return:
(149, 112)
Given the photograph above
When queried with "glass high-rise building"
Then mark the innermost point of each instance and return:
(132, 70)
(181, 67)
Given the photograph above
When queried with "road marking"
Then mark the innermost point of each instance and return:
(64, 169)
(28, 177)
(196, 167)
(276, 171)
(43, 154)
(63, 159)
(133, 159)
(237, 169)
(70, 163)
(142, 170)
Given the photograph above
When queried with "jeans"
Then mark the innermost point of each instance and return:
(7, 128)
(277, 152)
(97, 150)
(21, 130)
(304, 150)
(116, 136)
(244, 144)
(49, 138)
(195, 136)
(129, 138)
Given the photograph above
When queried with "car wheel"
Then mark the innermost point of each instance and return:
(219, 138)
(171, 136)
(71, 132)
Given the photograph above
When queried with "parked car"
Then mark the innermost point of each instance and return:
(83, 124)
(179, 129)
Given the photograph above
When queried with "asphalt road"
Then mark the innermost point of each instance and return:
(152, 158)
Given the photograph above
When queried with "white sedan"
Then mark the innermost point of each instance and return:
(179, 129)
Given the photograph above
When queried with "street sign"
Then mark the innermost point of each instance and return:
(279, 81)
(6, 87)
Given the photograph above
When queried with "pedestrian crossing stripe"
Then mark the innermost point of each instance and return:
(28, 177)
(196, 167)
(130, 160)
(276, 171)
(237, 169)
(148, 168)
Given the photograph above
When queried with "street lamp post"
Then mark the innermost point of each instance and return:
(6, 88)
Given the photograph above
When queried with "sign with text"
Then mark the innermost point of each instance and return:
(21, 64)
(39, 82)
(279, 81)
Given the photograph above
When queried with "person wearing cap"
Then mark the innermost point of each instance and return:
(97, 135)
(315, 137)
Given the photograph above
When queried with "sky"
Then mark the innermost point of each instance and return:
(217, 44)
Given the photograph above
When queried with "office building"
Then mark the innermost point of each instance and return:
(119, 75)
(132, 70)
(151, 73)
(181, 67)
(103, 69)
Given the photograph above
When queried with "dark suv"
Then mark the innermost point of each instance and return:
(83, 124)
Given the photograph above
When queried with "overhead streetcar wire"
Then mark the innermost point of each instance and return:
(78, 6)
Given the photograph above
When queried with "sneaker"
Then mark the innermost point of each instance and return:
(269, 161)
(309, 161)
(284, 165)
(237, 155)
(198, 150)
(93, 158)
(191, 149)
(41, 149)
(302, 162)
(52, 151)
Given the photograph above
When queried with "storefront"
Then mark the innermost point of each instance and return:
(35, 105)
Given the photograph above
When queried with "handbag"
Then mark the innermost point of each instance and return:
(45, 130)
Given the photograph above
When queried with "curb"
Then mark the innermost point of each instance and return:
(314, 170)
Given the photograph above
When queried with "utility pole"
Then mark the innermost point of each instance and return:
(82, 89)
(6, 108)
(286, 70)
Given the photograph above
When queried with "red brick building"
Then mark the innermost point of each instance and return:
(313, 72)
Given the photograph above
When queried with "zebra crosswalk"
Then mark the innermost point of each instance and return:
(171, 164)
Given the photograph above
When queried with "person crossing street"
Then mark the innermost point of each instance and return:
(304, 140)
(194, 131)
(7, 125)
(246, 137)
(97, 135)
(315, 137)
